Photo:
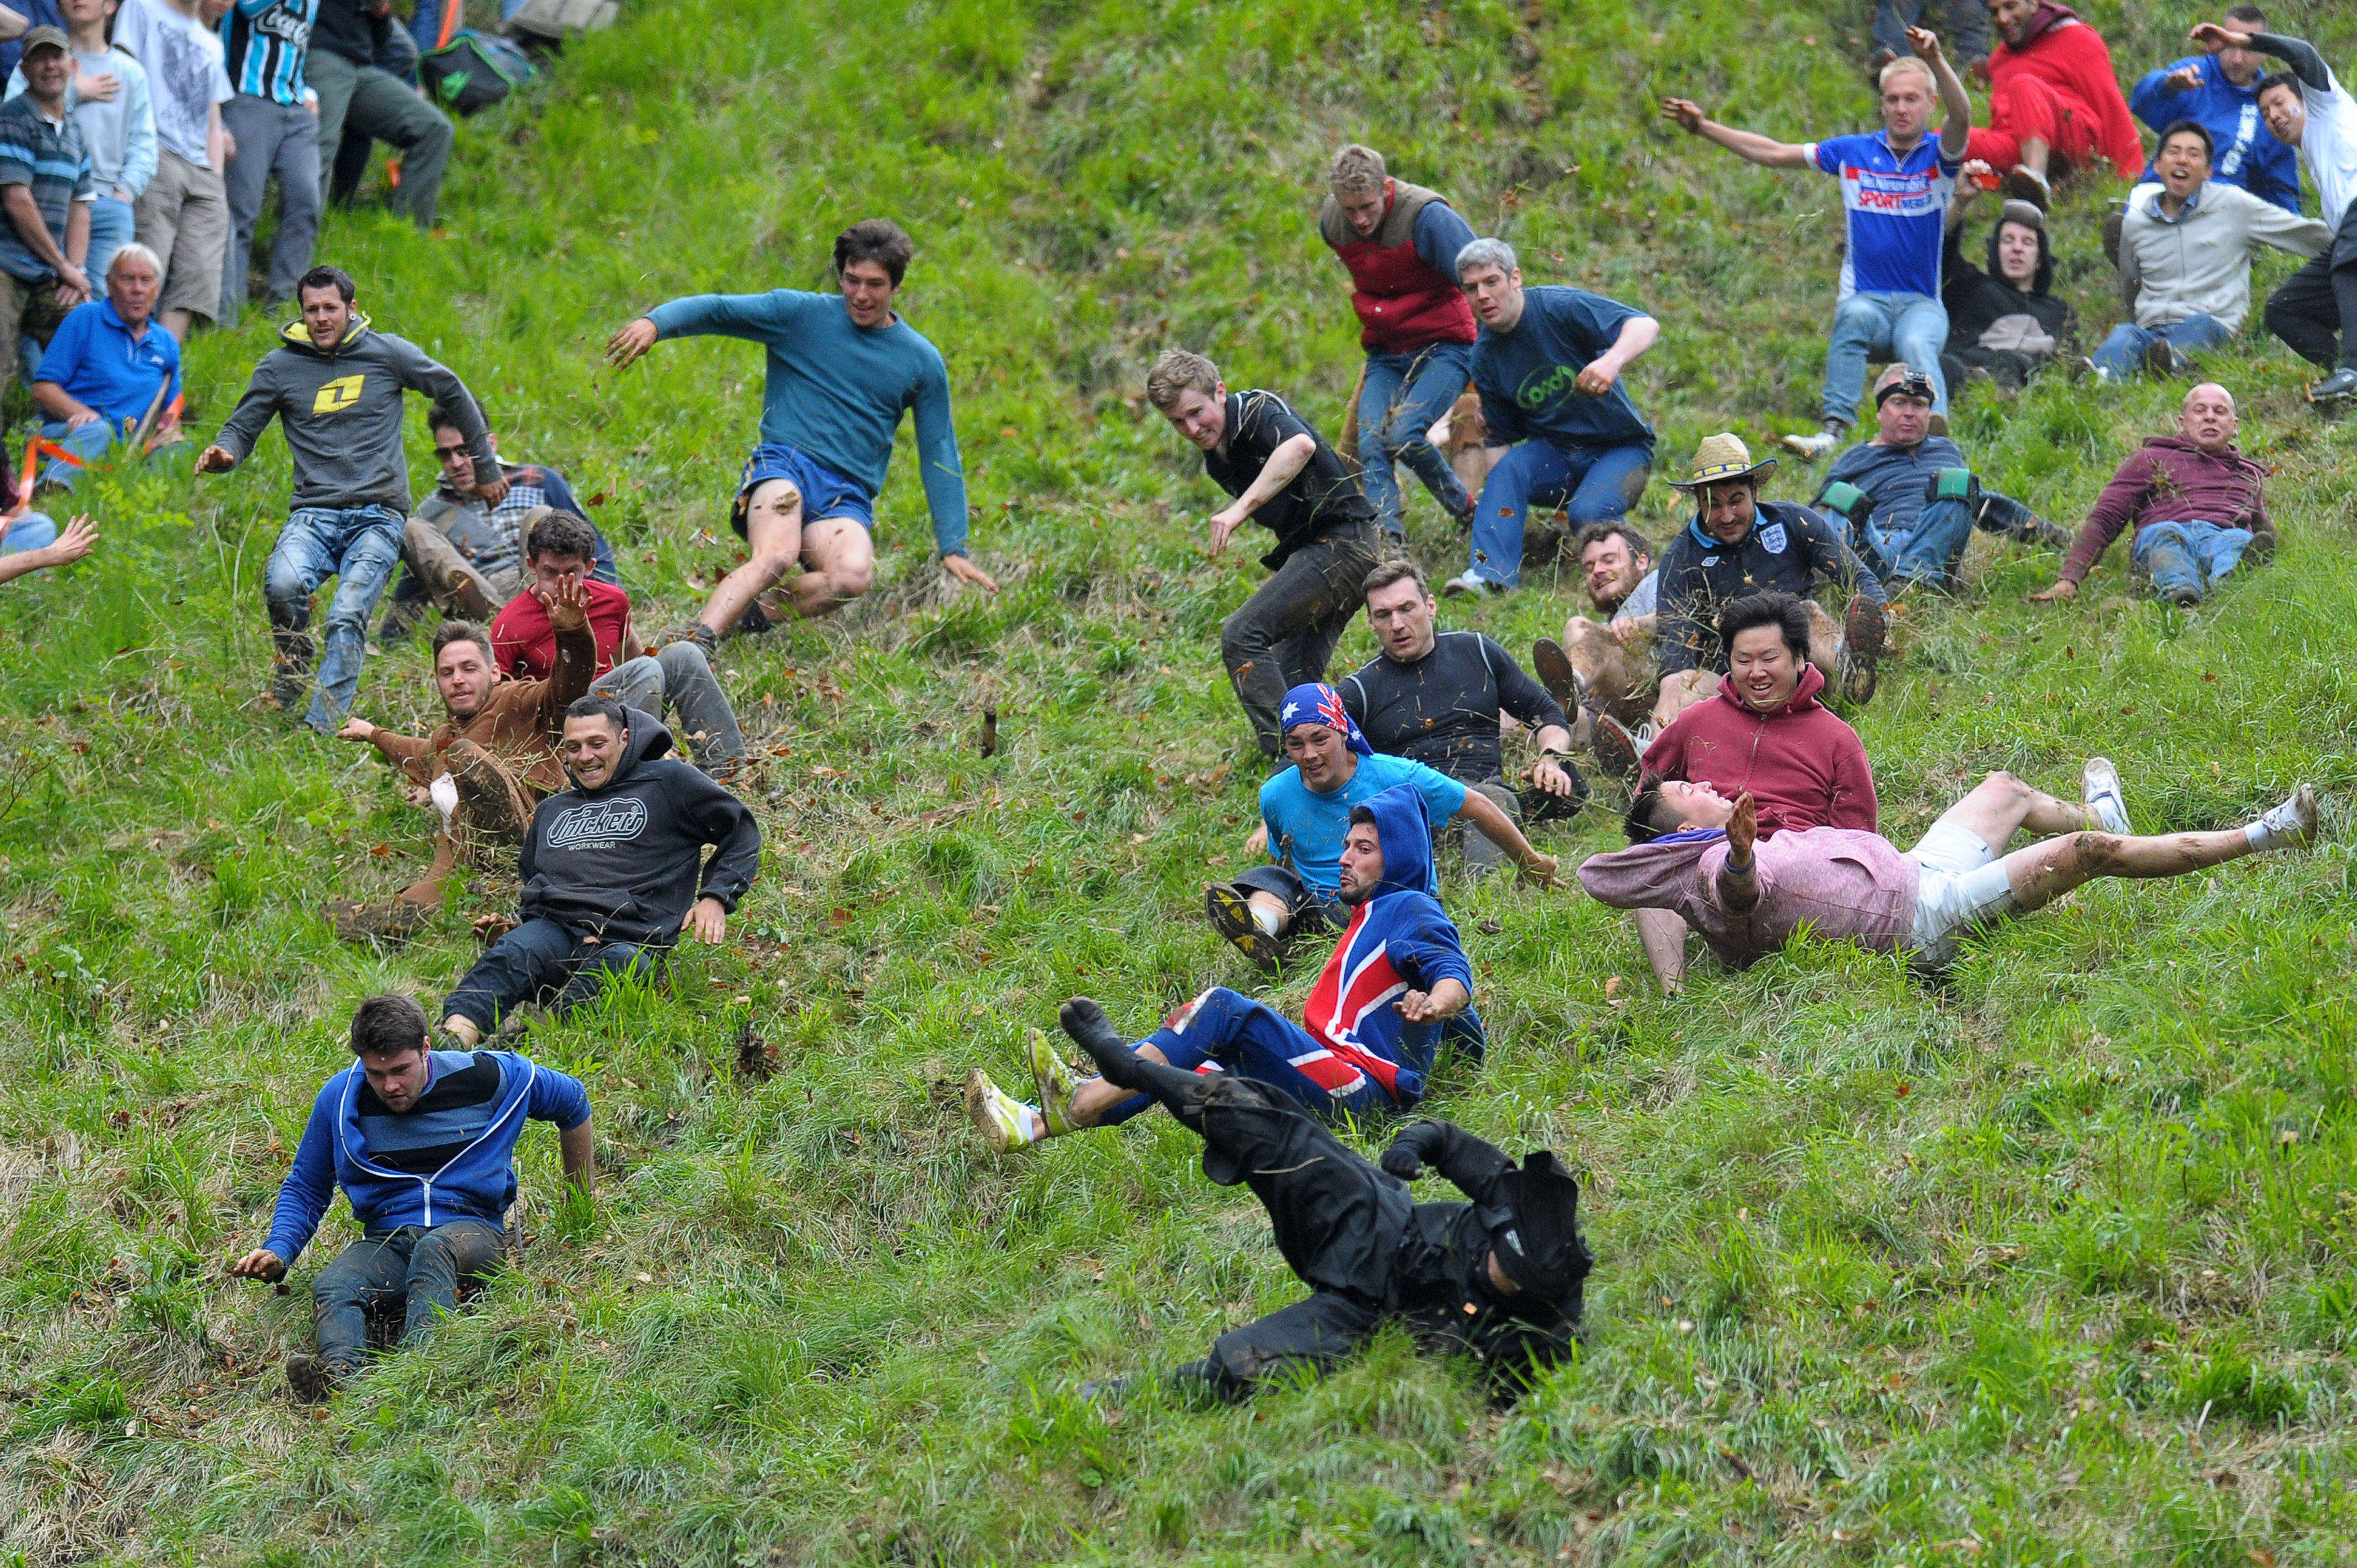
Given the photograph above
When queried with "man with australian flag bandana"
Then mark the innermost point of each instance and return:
(1396, 985)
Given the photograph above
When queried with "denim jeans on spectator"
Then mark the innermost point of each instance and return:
(358, 548)
(1285, 634)
(1927, 553)
(33, 530)
(682, 676)
(2184, 558)
(415, 1265)
(1402, 396)
(1900, 327)
(1593, 484)
(540, 958)
(2122, 354)
(111, 229)
(89, 443)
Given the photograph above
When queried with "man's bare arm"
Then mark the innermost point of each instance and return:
(1663, 935)
(1765, 151)
(580, 1164)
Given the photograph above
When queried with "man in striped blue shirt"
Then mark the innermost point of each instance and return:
(274, 123)
(46, 188)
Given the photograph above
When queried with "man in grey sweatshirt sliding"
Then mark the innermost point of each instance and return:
(336, 388)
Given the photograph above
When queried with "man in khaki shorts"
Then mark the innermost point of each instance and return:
(183, 215)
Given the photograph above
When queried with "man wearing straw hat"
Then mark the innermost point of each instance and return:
(1738, 545)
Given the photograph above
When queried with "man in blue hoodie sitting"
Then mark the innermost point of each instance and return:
(1396, 985)
(613, 870)
(422, 1142)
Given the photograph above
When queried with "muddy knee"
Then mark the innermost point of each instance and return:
(2096, 853)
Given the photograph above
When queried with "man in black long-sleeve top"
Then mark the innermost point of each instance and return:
(1498, 1277)
(1435, 696)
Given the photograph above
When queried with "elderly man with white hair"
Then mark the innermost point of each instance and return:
(112, 373)
(2194, 505)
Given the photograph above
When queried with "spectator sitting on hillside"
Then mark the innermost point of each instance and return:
(1498, 1278)
(1910, 501)
(358, 98)
(842, 369)
(1435, 696)
(613, 871)
(2054, 102)
(45, 187)
(112, 373)
(1895, 188)
(1306, 809)
(1738, 545)
(1396, 985)
(2184, 258)
(1400, 243)
(1285, 477)
(2005, 323)
(422, 1142)
(2194, 506)
(491, 761)
(561, 551)
(1548, 367)
(467, 558)
(108, 97)
(1698, 860)
(2220, 92)
(1603, 671)
(183, 214)
(336, 388)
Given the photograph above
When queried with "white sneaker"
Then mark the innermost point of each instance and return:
(1809, 448)
(1467, 582)
(2289, 823)
(2099, 787)
(1003, 1121)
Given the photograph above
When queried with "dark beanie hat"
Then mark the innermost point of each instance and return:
(1537, 1240)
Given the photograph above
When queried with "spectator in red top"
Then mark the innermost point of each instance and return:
(1400, 243)
(562, 550)
(2195, 505)
(2052, 99)
(1764, 733)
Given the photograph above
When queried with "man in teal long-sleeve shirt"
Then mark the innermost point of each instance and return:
(840, 373)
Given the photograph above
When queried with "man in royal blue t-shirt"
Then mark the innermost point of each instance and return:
(1547, 365)
(2220, 93)
(1895, 190)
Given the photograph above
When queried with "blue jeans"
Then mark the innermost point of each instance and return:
(680, 677)
(2122, 354)
(1233, 1033)
(30, 531)
(1594, 484)
(110, 230)
(1903, 327)
(537, 958)
(1402, 396)
(415, 1265)
(1928, 552)
(2185, 560)
(358, 548)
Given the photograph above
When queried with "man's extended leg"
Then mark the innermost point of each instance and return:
(2217, 551)
(1927, 553)
(296, 163)
(365, 1276)
(384, 107)
(595, 964)
(2001, 805)
(1313, 587)
(1382, 387)
(701, 708)
(1918, 333)
(773, 542)
(445, 574)
(1531, 472)
(1482, 856)
(839, 558)
(1861, 327)
(2037, 875)
(2305, 312)
(1293, 1343)
(532, 958)
(442, 1257)
(1235, 1034)
(361, 575)
(306, 555)
(1611, 480)
(1435, 378)
(2164, 552)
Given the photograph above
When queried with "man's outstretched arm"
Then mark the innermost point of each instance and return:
(1765, 151)
(1284, 465)
(1499, 828)
(2297, 53)
(1469, 1163)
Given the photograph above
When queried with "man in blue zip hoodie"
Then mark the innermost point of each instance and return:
(422, 1142)
(1398, 983)
(613, 870)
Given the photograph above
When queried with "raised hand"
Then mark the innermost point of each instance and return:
(630, 342)
(2182, 80)
(1686, 112)
(1743, 828)
(1926, 45)
(2210, 38)
(568, 602)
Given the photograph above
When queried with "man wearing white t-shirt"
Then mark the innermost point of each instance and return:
(183, 215)
(2307, 108)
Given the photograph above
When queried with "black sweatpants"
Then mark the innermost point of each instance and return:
(1283, 635)
(2309, 310)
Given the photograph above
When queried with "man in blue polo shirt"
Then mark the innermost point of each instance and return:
(1895, 190)
(2220, 93)
(1548, 366)
(110, 367)
(47, 189)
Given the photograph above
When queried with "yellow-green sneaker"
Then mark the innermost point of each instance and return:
(1054, 1081)
(1003, 1121)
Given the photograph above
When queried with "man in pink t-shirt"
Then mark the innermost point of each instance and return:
(1696, 861)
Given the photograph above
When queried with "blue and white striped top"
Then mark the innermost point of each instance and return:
(266, 42)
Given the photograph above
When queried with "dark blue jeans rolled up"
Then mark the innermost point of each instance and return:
(415, 1265)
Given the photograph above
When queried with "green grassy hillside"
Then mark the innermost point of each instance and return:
(2048, 1263)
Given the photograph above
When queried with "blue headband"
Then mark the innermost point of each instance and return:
(1318, 704)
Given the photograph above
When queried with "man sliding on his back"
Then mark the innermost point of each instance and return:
(1396, 983)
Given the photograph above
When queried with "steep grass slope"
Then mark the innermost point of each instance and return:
(2047, 1262)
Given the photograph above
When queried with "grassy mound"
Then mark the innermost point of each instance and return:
(2048, 1263)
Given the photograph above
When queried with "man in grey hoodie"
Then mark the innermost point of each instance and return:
(335, 387)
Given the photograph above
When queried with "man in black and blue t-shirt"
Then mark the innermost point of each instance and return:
(1548, 366)
(275, 132)
(1895, 190)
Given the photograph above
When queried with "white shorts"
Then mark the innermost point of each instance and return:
(1961, 884)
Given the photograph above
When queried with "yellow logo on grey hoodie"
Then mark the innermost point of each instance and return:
(338, 395)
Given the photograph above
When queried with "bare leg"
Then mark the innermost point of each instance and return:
(1269, 903)
(1092, 1096)
(2001, 805)
(2044, 872)
(1825, 641)
(841, 558)
(179, 324)
(774, 531)
(2034, 156)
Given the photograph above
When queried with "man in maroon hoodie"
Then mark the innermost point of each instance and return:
(2195, 503)
(1765, 734)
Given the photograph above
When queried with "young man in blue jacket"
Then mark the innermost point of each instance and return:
(2220, 92)
(841, 371)
(422, 1142)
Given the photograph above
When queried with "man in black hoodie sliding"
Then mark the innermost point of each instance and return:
(613, 870)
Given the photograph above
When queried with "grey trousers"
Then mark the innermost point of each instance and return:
(1481, 856)
(366, 101)
(682, 676)
(280, 139)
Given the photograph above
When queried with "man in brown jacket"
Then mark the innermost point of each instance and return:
(491, 759)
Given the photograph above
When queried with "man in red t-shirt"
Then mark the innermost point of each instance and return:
(561, 549)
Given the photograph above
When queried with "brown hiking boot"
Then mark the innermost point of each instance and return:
(1616, 751)
(472, 603)
(308, 1378)
(1863, 632)
(290, 682)
(694, 631)
(358, 922)
(485, 793)
(1555, 673)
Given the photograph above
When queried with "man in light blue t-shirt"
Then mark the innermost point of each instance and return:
(1895, 190)
(841, 371)
(1306, 810)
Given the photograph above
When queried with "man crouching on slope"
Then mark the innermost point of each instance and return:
(1397, 983)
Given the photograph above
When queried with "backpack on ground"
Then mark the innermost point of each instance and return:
(555, 21)
(473, 71)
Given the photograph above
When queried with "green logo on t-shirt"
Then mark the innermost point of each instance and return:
(1542, 387)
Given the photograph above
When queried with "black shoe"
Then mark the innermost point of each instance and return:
(2340, 385)
(1231, 917)
(1461, 516)
(2162, 359)
(290, 682)
(308, 1379)
(1555, 673)
(752, 623)
(1862, 635)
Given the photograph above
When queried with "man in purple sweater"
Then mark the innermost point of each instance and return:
(2195, 506)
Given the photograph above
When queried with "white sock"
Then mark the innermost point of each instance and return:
(1266, 918)
(2260, 834)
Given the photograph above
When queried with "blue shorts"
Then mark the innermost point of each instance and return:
(825, 493)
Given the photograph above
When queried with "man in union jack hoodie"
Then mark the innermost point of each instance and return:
(1398, 984)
